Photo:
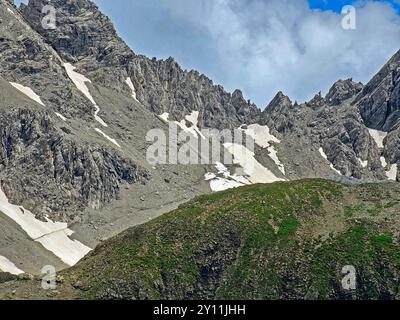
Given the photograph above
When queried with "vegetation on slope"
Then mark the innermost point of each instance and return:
(286, 240)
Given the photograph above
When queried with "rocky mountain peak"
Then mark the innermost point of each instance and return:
(279, 101)
(395, 60)
(237, 94)
(316, 101)
(82, 31)
(343, 90)
(278, 113)
(379, 101)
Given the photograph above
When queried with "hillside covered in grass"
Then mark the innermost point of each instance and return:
(287, 240)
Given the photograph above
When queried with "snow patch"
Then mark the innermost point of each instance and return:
(254, 170)
(164, 117)
(221, 184)
(7, 266)
(209, 176)
(323, 154)
(54, 236)
(263, 138)
(191, 118)
(80, 82)
(97, 118)
(226, 182)
(378, 136)
(128, 81)
(61, 116)
(364, 164)
(383, 162)
(392, 173)
(108, 137)
(273, 154)
(28, 92)
(260, 134)
(223, 170)
(9, 10)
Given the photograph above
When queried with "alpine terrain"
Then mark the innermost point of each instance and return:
(77, 190)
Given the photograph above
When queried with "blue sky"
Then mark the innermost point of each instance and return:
(337, 5)
(263, 46)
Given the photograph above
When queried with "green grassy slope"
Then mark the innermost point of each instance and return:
(285, 240)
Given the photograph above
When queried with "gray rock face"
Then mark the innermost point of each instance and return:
(164, 87)
(50, 166)
(341, 91)
(26, 59)
(56, 174)
(87, 37)
(379, 101)
(329, 123)
(278, 114)
(81, 31)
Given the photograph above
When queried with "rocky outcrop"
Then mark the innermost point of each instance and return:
(82, 31)
(26, 59)
(339, 131)
(348, 144)
(379, 101)
(54, 174)
(49, 166)
(278, 114)
(341, 91)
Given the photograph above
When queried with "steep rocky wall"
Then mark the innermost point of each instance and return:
(42, 169)
(379, 101)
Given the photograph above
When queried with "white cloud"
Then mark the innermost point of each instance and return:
(265, 46)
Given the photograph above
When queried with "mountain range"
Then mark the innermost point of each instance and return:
(76, 104)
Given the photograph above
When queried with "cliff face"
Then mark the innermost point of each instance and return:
(54, 174)
(45, 164)
(72, 143)
(379, 101)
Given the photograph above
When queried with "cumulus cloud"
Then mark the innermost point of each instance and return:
(265, 46)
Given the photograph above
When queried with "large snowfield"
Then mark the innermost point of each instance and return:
(254, 170)
(54, 236)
